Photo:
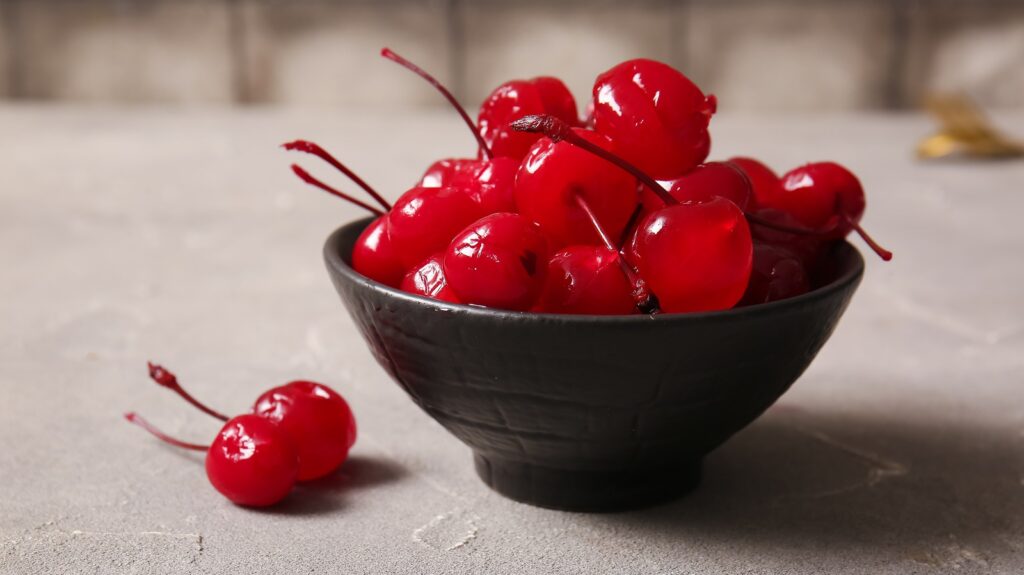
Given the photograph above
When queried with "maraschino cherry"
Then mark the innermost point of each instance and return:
(428, 280)
(498, 261)
(777, 274)
(586, 279)
(515, 99)
(656, 116)
(703, 183)
(694, 256)
(317, 420)
(555, 172)
(252, 461)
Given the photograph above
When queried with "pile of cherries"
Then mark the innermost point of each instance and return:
(296, 432)
(616, 213)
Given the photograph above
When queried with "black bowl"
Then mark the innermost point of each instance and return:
(591, 413)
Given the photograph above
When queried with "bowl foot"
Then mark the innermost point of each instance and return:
(587, 490)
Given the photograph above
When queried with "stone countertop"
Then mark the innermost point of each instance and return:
(128, 235)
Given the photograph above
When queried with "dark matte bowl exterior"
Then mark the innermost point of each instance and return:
(590, 413)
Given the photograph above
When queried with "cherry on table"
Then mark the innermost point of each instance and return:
(656, 116)
(252, 461)
(498, 261)
(317, 419)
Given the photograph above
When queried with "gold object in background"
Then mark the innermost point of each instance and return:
(965, 132)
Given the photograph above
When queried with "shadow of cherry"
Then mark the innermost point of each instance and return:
(328, 494)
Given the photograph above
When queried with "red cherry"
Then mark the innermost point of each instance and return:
(551, 176)
(777, 274)
(807, 247)
(706, 181)
(696, 256)
(252, 461)
(490, 182)
(586, 280)
(763, 180)
(374, 256)
(699, 254)
(424, 221)
(827, 197)
(656, 116)
(518, 98)
(498, 261)
(318, 421)
(428, 280)
(442, 172)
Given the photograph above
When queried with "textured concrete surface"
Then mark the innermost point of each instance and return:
(181, 237)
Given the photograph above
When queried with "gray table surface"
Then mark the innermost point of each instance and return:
(182, 237)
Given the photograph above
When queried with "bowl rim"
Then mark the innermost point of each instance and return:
(336, 262)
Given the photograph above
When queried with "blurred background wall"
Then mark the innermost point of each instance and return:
(757, 56)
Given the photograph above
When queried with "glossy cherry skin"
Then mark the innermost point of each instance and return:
(550, 176)
(374, 256)
(490, 182)
(440, 173)
(764, 181)
(776, 274)
(808, 248)
(424, 220)
(498, 261)
(252, 461)
(694, 256)
(656, 116)
(518, 98)
(822, 196)
(428, 280)
(316, 419)
(704, 182)
(586, 280)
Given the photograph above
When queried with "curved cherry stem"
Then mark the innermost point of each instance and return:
(167, 379)
(315, 149)
(391, 55)
(136, 419)
(304, 176)
(883, 253)
(646, 302)
(560, 131)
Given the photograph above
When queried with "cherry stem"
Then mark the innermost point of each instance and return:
(391, 55)
(560, 131)
(304, 175)
(883, 253)
(167, 379)
(316, 150)
(646, 302)
(135, 418)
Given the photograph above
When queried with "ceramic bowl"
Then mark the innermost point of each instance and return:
(591, 413)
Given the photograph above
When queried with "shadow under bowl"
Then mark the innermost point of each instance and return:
(591, 413)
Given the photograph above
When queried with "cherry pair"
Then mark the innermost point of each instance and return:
(296, 432)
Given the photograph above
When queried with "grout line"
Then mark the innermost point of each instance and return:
(895, 95)
(456, 40)
(237, 39)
